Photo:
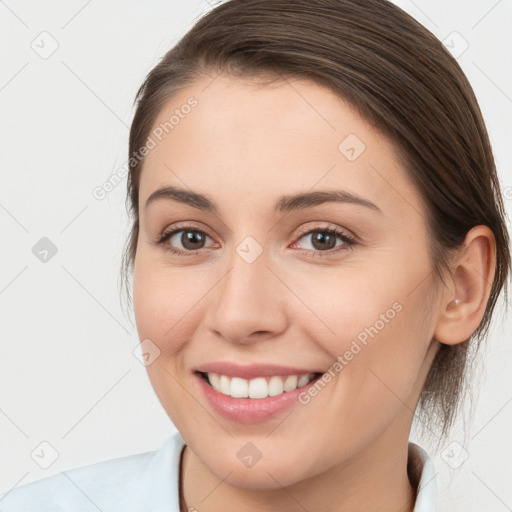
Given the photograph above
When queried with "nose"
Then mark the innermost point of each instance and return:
(248, 303)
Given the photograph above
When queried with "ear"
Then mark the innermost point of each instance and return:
(472, 276)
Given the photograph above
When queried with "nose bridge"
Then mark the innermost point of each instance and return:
(247, 299)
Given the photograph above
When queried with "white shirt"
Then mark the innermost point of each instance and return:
(148, 482)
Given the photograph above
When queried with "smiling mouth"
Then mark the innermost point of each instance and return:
(259, 387)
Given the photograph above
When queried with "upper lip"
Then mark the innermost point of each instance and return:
(251, 371)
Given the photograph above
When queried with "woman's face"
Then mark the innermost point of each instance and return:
(259, 290)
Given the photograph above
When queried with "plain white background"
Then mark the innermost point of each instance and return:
(69, 376)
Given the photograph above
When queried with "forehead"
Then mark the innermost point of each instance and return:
(243, 137)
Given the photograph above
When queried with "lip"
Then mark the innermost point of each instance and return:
(252, 371)
(250, 410)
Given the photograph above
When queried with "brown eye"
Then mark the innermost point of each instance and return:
(323, 240)
(192, 240)
(185, 241)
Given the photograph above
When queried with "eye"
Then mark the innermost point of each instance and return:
(323, 240)
(189, 237)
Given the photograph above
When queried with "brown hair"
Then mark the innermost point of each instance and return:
(401, 78)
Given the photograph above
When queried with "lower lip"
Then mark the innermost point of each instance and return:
(250, 410)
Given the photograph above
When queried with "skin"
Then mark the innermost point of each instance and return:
(243, 146)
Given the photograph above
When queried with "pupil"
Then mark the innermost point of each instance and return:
(320, 239)
(189, 237)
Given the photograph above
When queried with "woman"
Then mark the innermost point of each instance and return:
(318, 239)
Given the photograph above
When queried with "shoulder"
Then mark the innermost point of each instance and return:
(144, 481)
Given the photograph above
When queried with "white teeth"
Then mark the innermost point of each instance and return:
(260, 387)
(290, 383)
(224, 385)
(239, 388)
(214, 380)
(303, 380)
(275, 386)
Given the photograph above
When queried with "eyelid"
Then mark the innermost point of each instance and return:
(186, 226)
(326, 226)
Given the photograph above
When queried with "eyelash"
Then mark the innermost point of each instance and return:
(348, 241)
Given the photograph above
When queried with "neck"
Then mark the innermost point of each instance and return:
(375, 479)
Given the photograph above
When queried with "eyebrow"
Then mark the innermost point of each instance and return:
(284, 204)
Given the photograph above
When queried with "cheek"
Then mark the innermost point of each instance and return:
(375, 371)
(165, 303)
(375, 330)
(351, 304)
(163, 314)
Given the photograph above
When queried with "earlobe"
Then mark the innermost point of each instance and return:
(464, 302)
